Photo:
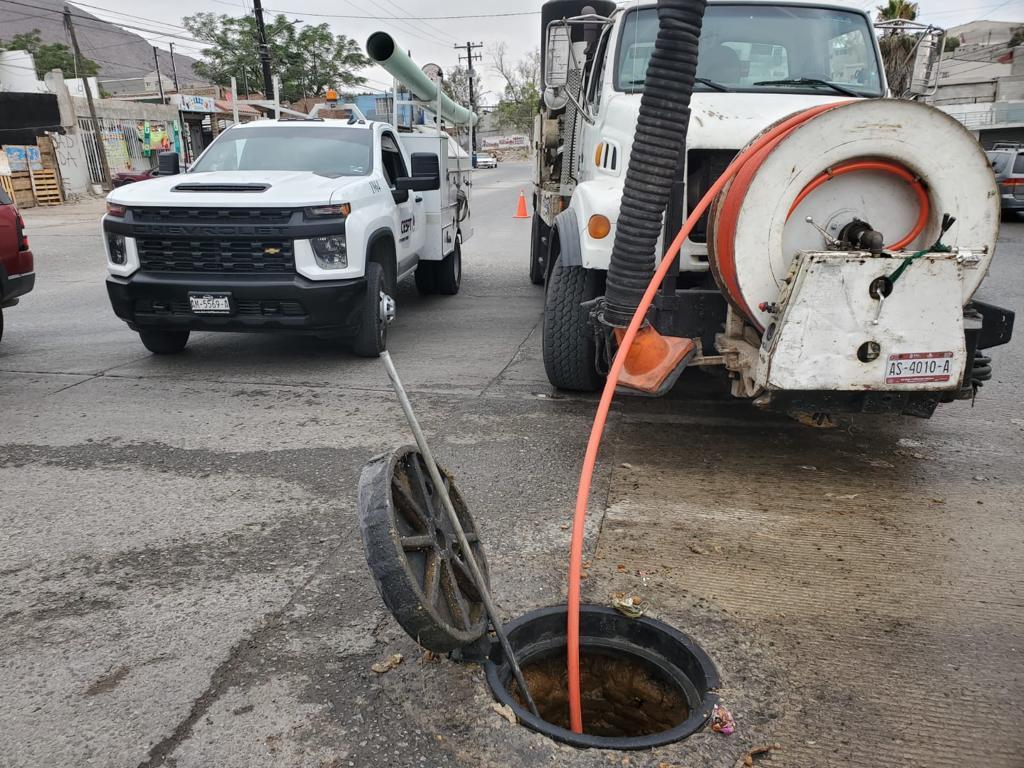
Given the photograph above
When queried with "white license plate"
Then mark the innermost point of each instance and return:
(210, 304)
(919, 368)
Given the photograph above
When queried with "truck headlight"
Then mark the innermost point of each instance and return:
(116, 249)
(330, 251)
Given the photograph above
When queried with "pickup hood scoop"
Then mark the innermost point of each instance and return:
(219, 187)
(285, 189)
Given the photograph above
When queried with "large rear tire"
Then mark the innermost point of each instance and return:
(164, 342)
(372, 338)
(570, 355)
(538, 250)
(426, 278)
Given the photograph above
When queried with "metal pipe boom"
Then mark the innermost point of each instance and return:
(383, 50)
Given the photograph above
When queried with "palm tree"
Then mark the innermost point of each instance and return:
(897, 9)
(896, 45)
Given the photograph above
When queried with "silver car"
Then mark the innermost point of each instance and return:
(1008, 165)
(483, 160)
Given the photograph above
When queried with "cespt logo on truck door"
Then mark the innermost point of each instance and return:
(408, 225)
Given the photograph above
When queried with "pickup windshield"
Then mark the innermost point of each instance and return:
(763, 49)
(325, 151)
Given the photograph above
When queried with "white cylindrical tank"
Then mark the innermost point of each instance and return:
(18, 73)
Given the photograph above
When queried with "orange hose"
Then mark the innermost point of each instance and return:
(770, 137)
(885, 166)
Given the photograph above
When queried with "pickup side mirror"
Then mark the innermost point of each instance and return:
(418, 183)
(426, 174)
(168, 164)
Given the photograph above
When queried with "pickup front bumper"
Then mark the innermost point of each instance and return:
(258, 302)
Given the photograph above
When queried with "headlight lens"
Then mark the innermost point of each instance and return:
(116, 249)
(328, 211)
(330, 251)
(117, 210)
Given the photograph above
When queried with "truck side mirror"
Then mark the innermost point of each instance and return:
(924, 76)
(556, 56)
(169, 163)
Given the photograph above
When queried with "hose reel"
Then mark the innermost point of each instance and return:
(874, 161)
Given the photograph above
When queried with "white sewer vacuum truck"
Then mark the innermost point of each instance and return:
(834, 273)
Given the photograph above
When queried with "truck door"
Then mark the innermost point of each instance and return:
(410, 222)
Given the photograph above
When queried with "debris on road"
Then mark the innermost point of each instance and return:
(629, 605)
(505, 711)
(388, 664)
(722, 721)
(760, 749)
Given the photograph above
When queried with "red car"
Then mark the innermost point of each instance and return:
(17, 275)
(121, 178)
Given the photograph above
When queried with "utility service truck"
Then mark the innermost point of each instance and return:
(834, 272)
(300, 224)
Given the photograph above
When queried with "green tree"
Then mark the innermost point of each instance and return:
(951, 44)
(49, 56)
(897, 46)
(308, 59)
(1016, 37)
(520, 101)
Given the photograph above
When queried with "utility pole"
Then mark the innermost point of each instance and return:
(101, 151)
(469, 58)
(174, 70)
(264, 50)
(159, 79)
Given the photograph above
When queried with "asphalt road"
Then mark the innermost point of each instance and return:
(184, 584)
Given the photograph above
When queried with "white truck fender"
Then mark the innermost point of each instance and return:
(600, 196)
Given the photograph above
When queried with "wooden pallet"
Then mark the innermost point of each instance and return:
(45, 187)
(8, 186)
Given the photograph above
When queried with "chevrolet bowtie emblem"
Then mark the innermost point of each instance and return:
(271, 251)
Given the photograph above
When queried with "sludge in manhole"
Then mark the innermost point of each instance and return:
(643, 683)
(621, 696)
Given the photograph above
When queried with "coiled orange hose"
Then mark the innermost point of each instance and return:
(764, 144)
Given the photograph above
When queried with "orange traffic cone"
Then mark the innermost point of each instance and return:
(521, 212)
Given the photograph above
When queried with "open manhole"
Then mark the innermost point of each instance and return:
(643, 683)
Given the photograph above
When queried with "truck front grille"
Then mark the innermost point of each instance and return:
(253, 216)
(703, 167)
(263, 257)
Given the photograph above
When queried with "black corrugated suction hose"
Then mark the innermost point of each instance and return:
(660, 136)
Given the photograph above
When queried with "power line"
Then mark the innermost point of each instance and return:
(418, 18)
(437, 30)
(103, 29)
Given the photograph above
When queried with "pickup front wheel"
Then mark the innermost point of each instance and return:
(378, 310)
(164, 342)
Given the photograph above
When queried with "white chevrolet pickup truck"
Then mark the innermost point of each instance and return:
(300, 225)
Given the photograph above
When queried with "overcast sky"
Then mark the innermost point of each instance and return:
(433, 40)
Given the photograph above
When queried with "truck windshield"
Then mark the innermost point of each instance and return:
(325, 151)
(763, 48)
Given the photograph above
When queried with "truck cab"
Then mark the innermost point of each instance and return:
(297, 225)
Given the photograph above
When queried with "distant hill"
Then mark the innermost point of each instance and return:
(123, 56)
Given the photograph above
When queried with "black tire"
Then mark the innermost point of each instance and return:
(568, 339)
(426, 278)
(372, 338)
(164, 342)
(449, 271)
(1, 324)
(538, 250)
